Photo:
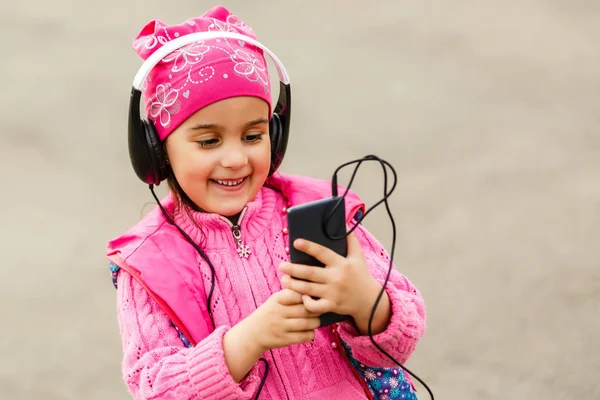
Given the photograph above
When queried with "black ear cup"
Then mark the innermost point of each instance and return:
(146, 153)
(275, 132)
(158, 158)
(280, 126)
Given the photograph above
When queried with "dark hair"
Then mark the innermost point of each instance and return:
(182, 200)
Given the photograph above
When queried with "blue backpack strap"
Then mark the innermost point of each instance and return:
(182, 337)
(358, 216)
(114, 272)
(383, 382)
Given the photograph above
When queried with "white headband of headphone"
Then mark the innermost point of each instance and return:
(179, 42)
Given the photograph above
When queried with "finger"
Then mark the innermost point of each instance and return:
(321, 253)
(298, 311)
(287, 297)
(354, 248)
(301, 337)
(302, 324)
(319, 306)
(300, 271)
(303, 287)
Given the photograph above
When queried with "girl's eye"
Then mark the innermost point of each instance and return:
(254, 137)
(207, 143)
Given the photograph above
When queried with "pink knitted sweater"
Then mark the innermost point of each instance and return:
(156, 365)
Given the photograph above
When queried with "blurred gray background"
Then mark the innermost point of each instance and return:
(489, 111)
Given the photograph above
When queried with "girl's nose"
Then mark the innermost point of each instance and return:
(234, 158)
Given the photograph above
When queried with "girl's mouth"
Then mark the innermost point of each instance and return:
(229, 182)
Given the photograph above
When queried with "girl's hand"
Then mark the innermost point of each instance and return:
(344, 285)
(282, 320)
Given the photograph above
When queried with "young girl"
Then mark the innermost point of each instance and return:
(187, 334)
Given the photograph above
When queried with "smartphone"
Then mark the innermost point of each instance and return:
(319, 222)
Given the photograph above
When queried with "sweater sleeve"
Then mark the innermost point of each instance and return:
(407, 323)
(156, 365)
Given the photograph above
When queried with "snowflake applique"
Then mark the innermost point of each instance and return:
(244, 250)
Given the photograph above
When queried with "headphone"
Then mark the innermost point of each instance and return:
(146, 151)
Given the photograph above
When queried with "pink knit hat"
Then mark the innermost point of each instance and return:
(200, 73)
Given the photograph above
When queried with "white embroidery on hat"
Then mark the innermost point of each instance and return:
(166, 104)
(149, 42)
(233, 20)
(246, 64)
(187, 55)
(249, 66)
(205, 74)
(221, 26)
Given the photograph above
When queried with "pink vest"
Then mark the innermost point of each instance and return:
(166, 265)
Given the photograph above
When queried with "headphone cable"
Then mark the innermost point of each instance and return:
(386, 194)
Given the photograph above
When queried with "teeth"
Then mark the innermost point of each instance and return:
(229, 183)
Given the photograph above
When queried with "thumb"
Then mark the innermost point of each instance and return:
(317, 307)
(354, 248)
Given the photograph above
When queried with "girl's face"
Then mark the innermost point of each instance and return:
(221, 155)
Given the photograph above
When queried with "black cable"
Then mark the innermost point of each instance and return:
(198, 249)
(334, 191)
(212, 271)
(386, 195)
(262, 382)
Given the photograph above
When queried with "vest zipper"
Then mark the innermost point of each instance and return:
(243, 249)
